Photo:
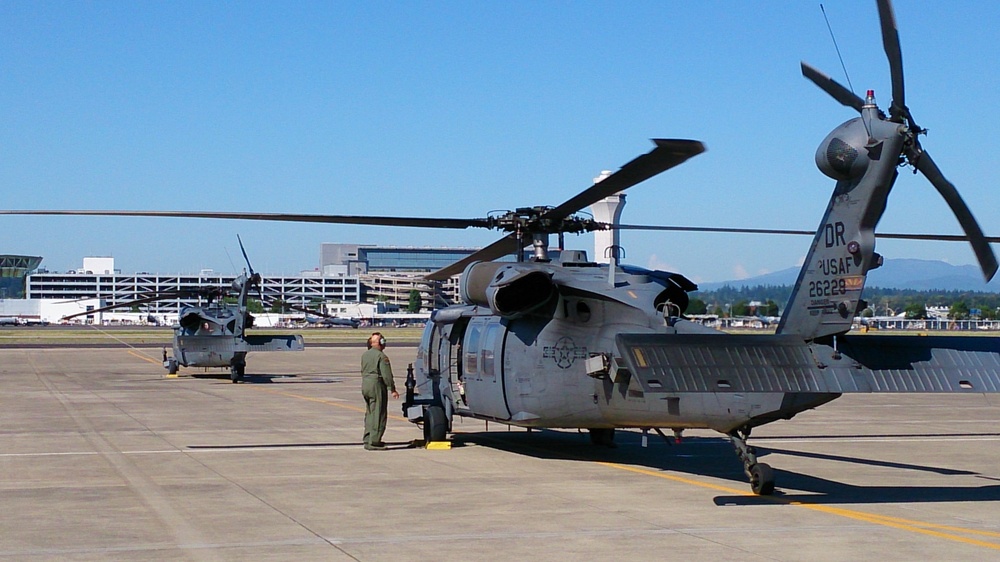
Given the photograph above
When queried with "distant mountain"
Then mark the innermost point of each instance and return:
(920, 275)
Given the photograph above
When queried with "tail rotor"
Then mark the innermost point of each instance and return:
(911, 150)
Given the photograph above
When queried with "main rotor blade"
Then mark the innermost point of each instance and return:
(136, 302)
(290, 306)
(783, 231)
(500, 248)
(419, 222)
(242, 249)
(710, 229)
(832, 87)
(667, 154)
(890, 42)
(980, 245)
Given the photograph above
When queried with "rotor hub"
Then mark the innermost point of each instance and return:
(534, 220)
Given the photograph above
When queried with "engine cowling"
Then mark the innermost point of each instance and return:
(508, 289)
(191, 321)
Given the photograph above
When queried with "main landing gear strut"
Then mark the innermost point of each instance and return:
(236, 372)
(761, 475)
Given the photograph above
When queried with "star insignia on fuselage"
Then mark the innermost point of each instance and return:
(564, 352)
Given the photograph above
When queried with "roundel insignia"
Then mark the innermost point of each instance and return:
(565, 352)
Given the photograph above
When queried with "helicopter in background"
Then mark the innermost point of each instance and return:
(315, 317)
(321, 319)
(332, 322)
(570, 343)
(215, 334)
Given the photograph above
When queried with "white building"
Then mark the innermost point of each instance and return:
(118, 288)
(98, 266)
(31, 311)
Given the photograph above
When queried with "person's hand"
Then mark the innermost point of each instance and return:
(395, 395)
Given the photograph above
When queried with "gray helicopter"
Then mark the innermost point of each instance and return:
(215, 334)
(317, 318)
(569, 343)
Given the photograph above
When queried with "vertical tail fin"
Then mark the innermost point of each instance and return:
(862, 156)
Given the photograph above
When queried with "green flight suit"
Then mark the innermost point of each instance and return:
(376, 382)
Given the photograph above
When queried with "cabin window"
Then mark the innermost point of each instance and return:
(472, 350)
(489, 346)
(433, 352)
(423, 350)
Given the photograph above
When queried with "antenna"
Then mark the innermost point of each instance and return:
(841, 57)
(837, 48)
(230, 258)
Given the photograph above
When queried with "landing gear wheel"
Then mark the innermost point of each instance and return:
(236, 373)
(435, 424)
(603, 436)
(762, 479)
(761, 475)
(172, 366)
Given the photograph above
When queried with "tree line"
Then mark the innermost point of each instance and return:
(736, 301)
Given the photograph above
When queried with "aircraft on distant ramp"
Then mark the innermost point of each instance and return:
(214, 334)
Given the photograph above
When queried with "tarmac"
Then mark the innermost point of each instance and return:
(104, 457)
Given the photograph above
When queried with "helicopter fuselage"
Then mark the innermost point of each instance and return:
(560, 364)
(214, 336)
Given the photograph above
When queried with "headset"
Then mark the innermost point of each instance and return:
(381, 340)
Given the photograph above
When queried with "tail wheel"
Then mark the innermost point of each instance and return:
(435, 424)
(762, 479)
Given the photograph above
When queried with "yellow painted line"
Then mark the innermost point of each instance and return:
(681, 479)
(144, 358)
(920, 527)
(323, 401)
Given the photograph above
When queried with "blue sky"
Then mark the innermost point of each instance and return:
(456, 109)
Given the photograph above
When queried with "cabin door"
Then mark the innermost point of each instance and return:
(482, 361)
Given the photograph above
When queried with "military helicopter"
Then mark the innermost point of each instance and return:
(215, 334)
(332, 321)
(323, 320)
(576, 344)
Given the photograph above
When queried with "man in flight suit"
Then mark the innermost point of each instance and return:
(376, 382)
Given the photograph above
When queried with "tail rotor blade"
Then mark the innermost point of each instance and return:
(832, 87)
(984, 253)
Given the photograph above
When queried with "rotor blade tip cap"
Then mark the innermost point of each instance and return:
(684, 146)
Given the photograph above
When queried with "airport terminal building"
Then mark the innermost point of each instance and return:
(349, 273)
(115, 288)
(390, 273)
(13, 271)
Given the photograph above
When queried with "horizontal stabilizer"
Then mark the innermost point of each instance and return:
(275, 343)
(719, 363)
(664, 363)
(921, 363)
